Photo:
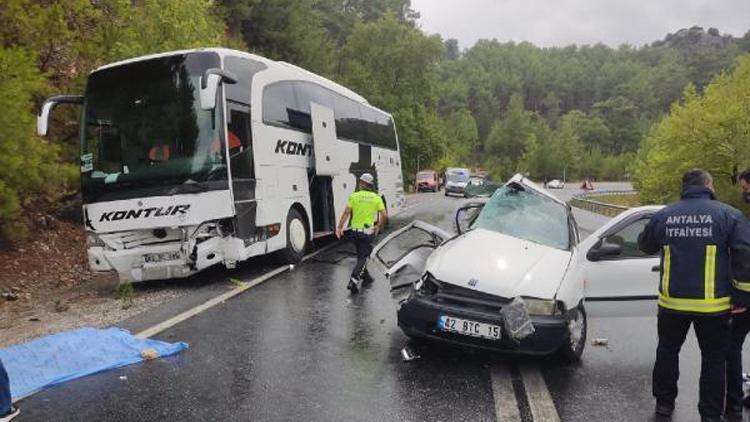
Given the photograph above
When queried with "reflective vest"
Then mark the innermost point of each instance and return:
(696, 236)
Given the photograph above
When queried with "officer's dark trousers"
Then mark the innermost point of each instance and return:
(4, 391)
(740, 328)
(713, 339)
(363, 245)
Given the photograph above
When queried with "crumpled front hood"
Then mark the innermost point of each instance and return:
(501, 265)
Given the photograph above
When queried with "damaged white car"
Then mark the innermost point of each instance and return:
(522, 243)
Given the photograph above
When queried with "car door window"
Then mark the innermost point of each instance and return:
(627, 239)
(405, 242)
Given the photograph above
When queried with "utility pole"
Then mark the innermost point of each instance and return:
(415, 176)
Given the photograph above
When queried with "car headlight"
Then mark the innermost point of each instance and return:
(540, 306)
(428, 286)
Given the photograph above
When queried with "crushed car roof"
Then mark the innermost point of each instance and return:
(519, 179)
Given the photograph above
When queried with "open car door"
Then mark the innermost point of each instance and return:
(324, 140)
(401, 257)
(620, 280)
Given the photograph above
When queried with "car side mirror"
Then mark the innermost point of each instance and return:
(210, 82)
(603, 249)
(466, 215)
(42, 120)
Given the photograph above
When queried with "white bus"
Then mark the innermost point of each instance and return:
(195, 158)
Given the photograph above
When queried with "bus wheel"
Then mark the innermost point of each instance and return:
(296, 238)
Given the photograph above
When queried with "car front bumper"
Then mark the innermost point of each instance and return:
(418, 317)
(455, 189)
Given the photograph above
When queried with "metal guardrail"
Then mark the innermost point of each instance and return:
(582, 201)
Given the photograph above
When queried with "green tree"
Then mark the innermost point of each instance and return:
(29, 170)
(462, 137)
(711, 131)
(508, 135)
(397, 74)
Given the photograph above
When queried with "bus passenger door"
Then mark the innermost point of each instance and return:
(324, 140)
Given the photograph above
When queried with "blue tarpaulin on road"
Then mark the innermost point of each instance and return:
(73, 354)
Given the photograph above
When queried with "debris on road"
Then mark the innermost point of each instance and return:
(516, 320)
(123, 377)
(10, 296)
(599, 342)
(408, 354)
(149, 354)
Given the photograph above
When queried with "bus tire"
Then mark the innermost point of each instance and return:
(297, 238)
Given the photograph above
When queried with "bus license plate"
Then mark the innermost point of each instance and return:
(469, 328)
(153, 258)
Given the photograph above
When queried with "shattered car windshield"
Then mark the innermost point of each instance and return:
(527, 215)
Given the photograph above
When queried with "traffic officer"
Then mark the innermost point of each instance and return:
(740, 321)
(367, 212)
(697, 237)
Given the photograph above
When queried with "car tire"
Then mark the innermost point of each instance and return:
(297, 238)
(572, 350)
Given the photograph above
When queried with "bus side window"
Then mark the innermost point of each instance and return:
(239, 140)
(308, 92)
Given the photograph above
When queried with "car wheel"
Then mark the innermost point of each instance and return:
(575, 342)
(297, 238)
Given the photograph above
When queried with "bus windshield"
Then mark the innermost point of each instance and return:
(144, 133)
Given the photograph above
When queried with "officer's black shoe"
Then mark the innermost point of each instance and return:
(366, 279)
(664, 410)
(733, 410)
(712, 419)
(354, 285)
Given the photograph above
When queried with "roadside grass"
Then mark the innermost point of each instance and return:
(125, 293)
(236, 283)
(630, 200)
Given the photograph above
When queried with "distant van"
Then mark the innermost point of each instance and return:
(456, 179)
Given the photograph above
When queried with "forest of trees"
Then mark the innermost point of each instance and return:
(582, 111)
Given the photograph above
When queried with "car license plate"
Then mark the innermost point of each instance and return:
(152, 258)
(469, 328)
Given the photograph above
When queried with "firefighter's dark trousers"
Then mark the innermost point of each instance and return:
(740, 328)
(363, 245)
(713, 339)
(5, 402)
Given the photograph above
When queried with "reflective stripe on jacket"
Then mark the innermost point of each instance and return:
(697, 236)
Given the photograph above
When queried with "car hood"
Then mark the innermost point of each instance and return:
(500, 265)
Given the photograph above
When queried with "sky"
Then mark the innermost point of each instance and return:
(564, 22)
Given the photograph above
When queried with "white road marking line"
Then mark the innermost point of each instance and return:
(540, 401)
(506, 406)
(171, 322)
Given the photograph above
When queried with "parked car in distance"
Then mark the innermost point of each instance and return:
(555, 184)
(521, 244)
(475, 180)
(428, 180)
(456, 180)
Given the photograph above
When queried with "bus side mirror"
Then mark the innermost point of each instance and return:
(210, 82)
(42, 120)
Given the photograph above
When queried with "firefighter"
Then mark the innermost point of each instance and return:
(697, 237)
(367, 213)
(7, 411)
(740, 322)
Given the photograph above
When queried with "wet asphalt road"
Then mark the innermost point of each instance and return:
(299, 347)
